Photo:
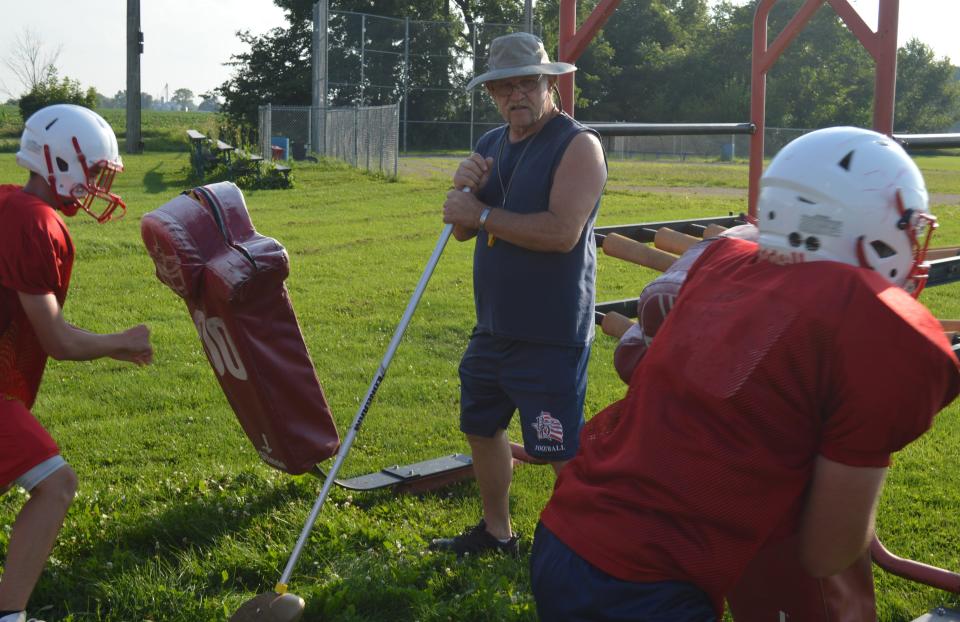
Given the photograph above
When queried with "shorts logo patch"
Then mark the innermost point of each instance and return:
(548, 428)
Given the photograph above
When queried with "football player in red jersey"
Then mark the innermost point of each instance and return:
(766, 409)
(72, 156)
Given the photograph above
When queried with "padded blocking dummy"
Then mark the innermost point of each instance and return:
(232, 278)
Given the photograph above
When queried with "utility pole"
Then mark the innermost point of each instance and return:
(318, 108)
(528, 15)
(134, 50)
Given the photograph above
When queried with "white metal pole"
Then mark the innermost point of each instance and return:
(364, 407)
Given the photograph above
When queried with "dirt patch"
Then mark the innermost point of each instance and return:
(428, 167)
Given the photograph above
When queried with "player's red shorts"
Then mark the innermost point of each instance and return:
(23, 442)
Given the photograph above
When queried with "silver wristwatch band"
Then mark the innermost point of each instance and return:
(483, 217)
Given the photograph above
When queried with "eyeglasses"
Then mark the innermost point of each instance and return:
(506, 89)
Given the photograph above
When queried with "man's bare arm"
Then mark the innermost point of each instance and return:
(64, 341)
(577, 185)
(838, 520)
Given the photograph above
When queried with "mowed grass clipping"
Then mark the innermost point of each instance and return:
(178, 519)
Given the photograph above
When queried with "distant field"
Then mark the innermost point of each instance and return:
(160, 131)
(177, 518)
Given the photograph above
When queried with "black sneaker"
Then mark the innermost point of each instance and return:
(475, 541)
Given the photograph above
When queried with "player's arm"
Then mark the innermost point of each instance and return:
(66, 342)
(838, 519)
(577, 185)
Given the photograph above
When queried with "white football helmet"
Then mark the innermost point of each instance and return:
(850, 195)
(76, 151)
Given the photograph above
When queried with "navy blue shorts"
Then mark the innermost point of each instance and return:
(567, 588)
(547, 384)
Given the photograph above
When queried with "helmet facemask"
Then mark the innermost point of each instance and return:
(99, 179)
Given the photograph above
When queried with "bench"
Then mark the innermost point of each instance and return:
(245, 164)
(282, 170)
(222, 150)
(197, 156)
(207, 153)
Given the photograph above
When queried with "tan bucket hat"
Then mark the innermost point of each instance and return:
(519, 54)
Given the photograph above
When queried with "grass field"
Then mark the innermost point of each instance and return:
(177, 518)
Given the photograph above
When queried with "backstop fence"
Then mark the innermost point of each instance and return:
(725, 147)
(366, 137)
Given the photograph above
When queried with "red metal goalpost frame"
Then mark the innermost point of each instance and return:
(574, 41)
(881, 45)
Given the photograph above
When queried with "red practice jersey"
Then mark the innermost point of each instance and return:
(36, 257)
(757, 370)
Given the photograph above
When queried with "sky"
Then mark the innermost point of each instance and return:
(187, 42)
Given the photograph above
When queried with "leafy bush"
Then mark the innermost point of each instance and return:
(55, 90)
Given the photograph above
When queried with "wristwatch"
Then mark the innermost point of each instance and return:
(483, 217)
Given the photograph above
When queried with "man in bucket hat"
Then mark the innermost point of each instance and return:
(534, 191)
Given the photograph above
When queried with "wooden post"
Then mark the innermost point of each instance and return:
(134, 50)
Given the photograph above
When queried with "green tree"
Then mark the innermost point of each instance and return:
(824, 78)
(928, 93)
(597, 71)
(208, 103)
(715, 73)
(654, 61)
(275, 70)
(55, 90)
(184, 97)
(30, 61)
(634, 69)
(117, 101)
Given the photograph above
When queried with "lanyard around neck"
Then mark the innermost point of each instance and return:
(504, 191)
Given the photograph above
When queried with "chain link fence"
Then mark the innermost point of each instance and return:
(725, 147)
(396, 84)
(424, 65)
(366, 137)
